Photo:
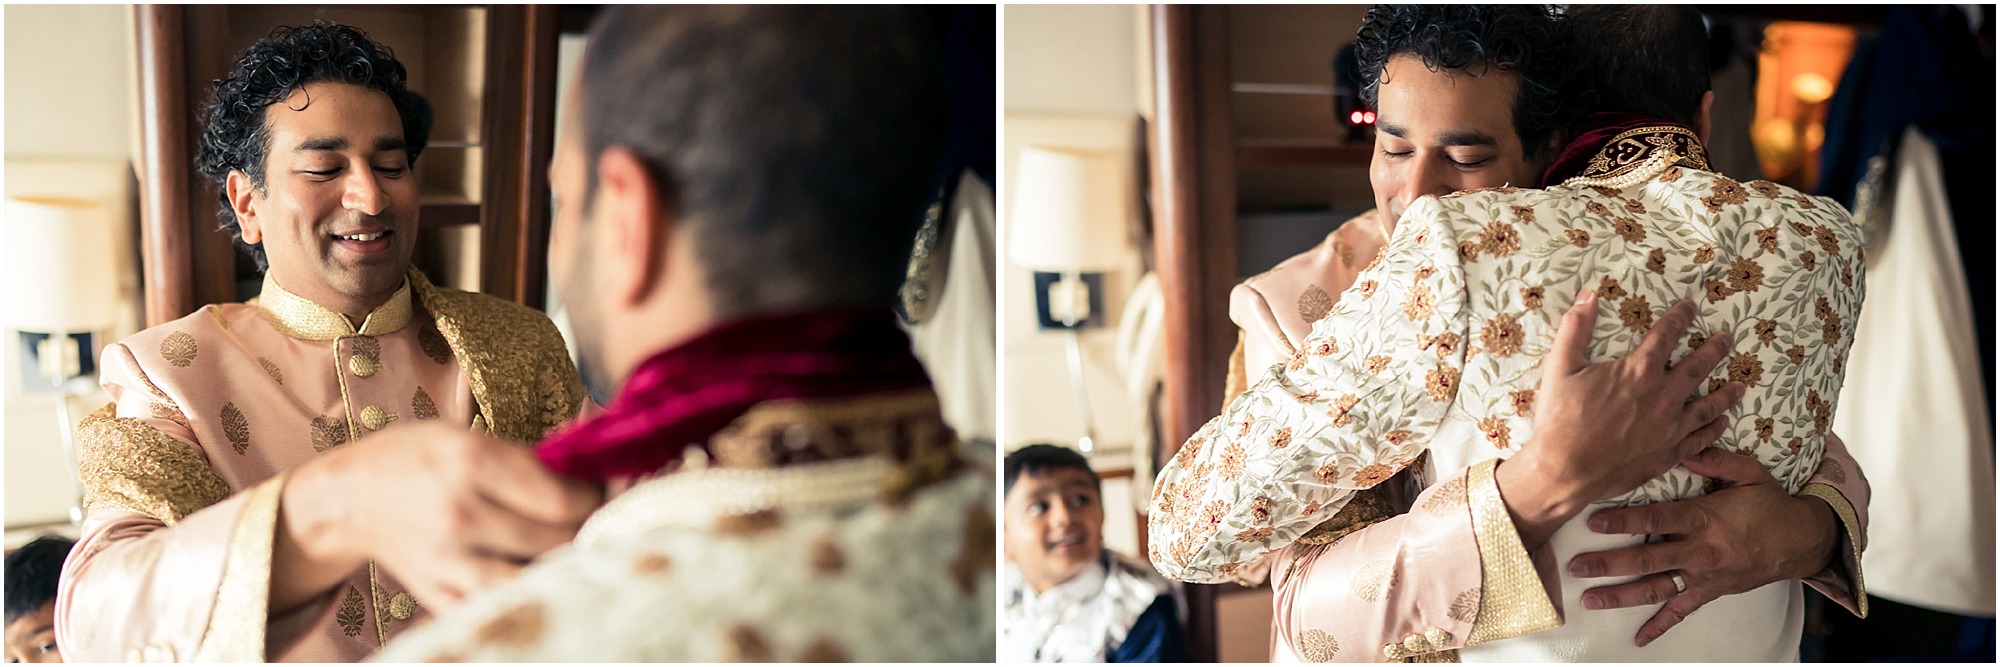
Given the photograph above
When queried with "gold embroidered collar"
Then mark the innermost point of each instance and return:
(300, 318)
(1641, 153)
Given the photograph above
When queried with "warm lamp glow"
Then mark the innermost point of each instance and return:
(1812, 87)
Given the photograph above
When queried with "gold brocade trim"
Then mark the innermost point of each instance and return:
(907, 427)
(242, 601)
(1235, 381)
(729, 495)
(129, 464)
(1366, 508)
(1447, 655)
(1512, 601)
(1641, 153)
(300, 318)
(1855, 538)
(375, 604)
(522, 380)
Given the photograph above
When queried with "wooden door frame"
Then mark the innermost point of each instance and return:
(1194, 238)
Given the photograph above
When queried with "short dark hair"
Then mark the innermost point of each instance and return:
(1040, 458)
(32, 571)
(1475, 39)
(236, 134)
(797, 143)
(1650, 60)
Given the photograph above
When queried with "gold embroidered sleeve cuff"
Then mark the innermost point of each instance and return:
(1841, 582)
(1512, 601)
(242, 602)
(126, 463)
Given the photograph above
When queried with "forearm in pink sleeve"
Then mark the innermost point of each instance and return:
(1437, 578)
(1840, 483)
(136, 589)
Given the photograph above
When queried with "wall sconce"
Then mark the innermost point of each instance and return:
(59, 264)
(1067, 222)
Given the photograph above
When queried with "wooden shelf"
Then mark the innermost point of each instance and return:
(447, 214)
(1260, 152)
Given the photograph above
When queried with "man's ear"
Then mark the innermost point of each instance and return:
(631, 212)
(1702, 120)
(243, 202)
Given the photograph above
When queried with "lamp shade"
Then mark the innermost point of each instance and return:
(1069, 210)
(59, 265)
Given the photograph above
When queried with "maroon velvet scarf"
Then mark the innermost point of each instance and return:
(1592, 134)
(681, 396)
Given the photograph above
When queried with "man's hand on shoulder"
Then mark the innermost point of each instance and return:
(1746, 534)
(445, 510)
(1602, 429)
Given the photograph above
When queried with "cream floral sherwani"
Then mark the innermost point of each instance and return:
(1436, 350)
(881, 550)
(182, 472)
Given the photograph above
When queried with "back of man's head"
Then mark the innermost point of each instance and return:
(795, 144)
(1039, 459)
(32, 571)
(1476, 40)
(1650, 60)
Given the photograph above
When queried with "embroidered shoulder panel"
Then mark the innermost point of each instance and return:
(513, 357)
(125, 463)
(906, 427)
(1639, 154)
(1367, 508)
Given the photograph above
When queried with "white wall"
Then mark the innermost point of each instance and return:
(69, 122)
(1071, 78)
(68, 89)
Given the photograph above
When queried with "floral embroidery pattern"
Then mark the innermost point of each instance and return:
(1465, 607)
(1501, 335)
(235, 428)
(1636, 314)
(422, 406)
(179, 349)
(1318, 646)
(353, 612)
(1373, 581)
(1523, 402)
(328, 433)
(1760, 262)
(1497, 432)
(1314, 303)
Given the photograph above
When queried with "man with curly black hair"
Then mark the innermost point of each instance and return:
(1458, 340)
(241, 504)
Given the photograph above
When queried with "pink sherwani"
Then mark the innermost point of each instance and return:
(182, 472)
(1446, 570)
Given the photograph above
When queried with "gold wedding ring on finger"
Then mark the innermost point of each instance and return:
(1680, 585)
